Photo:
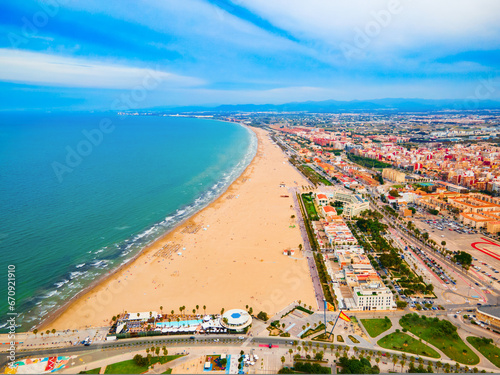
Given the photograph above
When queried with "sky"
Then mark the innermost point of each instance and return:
(125, 55)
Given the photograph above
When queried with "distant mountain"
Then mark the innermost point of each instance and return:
(389, 104)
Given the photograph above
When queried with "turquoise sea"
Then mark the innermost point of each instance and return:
(81, 194)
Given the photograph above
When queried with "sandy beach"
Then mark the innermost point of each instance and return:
(228, 255)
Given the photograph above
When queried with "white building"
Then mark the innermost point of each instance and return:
(374, 296)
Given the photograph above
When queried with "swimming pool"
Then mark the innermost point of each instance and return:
(184, 323)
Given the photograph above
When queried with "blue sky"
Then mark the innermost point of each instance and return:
(68, 54)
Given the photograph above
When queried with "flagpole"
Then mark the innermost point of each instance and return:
(334, 324)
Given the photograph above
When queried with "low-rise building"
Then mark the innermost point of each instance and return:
(489, 315)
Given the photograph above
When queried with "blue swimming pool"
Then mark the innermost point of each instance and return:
(184, 323)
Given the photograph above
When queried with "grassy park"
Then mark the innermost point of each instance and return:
(130, 367)
(486, 348)
(314, 176)
(375, 327)
(93, 371)
(309, 205)
(405, 343)
(442, 334)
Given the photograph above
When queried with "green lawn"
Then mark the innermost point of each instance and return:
(490, 351)
(93, 371)
(353, 339)
(442, 334)
(309, 205)
(314, 176)
(405, 343)
(130, 367)
(312, 331)
(375, 327)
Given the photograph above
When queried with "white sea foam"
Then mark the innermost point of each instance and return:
(61, 283)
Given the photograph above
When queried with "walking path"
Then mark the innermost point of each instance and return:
(318, 290)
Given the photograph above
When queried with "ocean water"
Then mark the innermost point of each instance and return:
(81, 194)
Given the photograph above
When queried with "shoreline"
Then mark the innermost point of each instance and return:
(249, 226)
(54, 315)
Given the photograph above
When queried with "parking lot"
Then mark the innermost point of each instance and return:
(458, 239)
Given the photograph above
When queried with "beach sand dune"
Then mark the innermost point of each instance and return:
(233, 255)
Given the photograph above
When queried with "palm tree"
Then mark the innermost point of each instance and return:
(283, 359)
(161, 310)
(172, 312)
(394, 361)
(457, 366)
(438, 365)
(355, 349)
(35, 331)
(402, 362)
(165, 351)
(157, 351)
(291, 352)
(47, 332)
(377, 359)
(204, 309)
(197, 307)
(53, 331)
(194, 311)
(447, 367)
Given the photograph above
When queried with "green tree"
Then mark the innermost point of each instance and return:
(394, 361)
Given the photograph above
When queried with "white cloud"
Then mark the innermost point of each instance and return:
(451, 24)
(53, 70)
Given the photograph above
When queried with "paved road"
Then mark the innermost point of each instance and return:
(318, 290)
(183, 342)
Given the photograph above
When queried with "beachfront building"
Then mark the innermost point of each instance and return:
(332, 231)
(236, 320)
(373, 296)
(139, 316)
(353, 204)
(356, 284)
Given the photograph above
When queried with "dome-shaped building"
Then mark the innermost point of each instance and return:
(236, 319)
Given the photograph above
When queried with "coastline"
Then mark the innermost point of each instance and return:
(110, 295)
(52, 316)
